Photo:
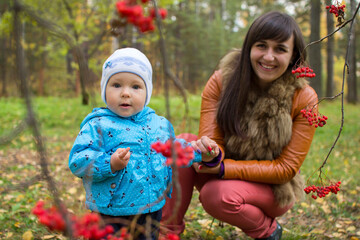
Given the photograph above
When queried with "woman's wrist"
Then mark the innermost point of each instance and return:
(214, 162)
(222, 170)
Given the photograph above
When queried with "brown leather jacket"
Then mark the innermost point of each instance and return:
(277, 171)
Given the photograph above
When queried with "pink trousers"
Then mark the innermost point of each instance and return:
(247, 205)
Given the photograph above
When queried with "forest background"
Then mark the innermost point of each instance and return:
(69, 40)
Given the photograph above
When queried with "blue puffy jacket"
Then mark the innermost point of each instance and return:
(140, 186)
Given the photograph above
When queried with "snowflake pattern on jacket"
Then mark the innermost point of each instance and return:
(137, 188)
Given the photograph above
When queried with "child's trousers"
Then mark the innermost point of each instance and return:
(248, 205)
(155, 218)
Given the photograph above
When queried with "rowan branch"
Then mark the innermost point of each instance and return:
(345, 71)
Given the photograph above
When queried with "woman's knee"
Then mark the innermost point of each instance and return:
(218, 195)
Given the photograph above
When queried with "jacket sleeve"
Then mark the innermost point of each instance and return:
(88, 157)
(287, 165)
(209, 104)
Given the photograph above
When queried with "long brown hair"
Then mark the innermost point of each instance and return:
(270, 26)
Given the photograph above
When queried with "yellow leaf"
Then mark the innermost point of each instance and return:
(27, 235)
(338, 225)
(17, 224)
(48, 236)
(354, 238)
(9, 235)
(337, 235)
(210, 232)
(219, 238)
(340, 197)
(353, 192)
(326, 209)
(19, 198)
(304, 205)
(350, 229)
(204, 222)
(318, 231)
(72, 190)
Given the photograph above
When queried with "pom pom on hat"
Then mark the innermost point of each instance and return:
(127, 60)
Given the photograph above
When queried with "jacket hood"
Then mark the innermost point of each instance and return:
(102, 112)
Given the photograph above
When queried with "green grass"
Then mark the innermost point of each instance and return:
(335, 217)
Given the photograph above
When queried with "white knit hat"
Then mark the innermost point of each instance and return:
(127, 60)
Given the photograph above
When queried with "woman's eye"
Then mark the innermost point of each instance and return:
(282, 49)
(261, 45)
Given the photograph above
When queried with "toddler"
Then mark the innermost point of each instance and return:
(122, 175)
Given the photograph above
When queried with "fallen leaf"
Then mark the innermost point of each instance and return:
(326, 208)
(9, 235)
(338, 235)
(318, 231)
(27, 235)
(304, 205)
(353, 192)
(205, 222)
(72, 190)
(48, 236)
(351, 229)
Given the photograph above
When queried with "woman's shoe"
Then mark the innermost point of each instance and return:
(276, 235)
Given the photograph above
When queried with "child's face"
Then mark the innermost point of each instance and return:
(125, 94)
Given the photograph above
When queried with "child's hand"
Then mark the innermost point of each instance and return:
(119, 159)
(207, 147)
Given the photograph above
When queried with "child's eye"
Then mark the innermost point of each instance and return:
(116, 85)
(136, 86)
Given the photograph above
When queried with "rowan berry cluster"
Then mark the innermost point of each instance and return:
(337, 10)
(134, 14)
(170, 236)
(304, 72)
(183, 154)
(322, 191)
(86, 227)
(51, 217)
(316, 119)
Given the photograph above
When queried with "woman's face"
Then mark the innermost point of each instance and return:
(270, 59)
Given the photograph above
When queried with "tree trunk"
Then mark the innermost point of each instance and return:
(330, 53)
(41, 87)
(315, 50)
(3, 68)
(351, 79)
(178, 53)
(83, 73)
(71, 79)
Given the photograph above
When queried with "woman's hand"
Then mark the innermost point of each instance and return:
(200, 168)
(207, 147)
(119, 159)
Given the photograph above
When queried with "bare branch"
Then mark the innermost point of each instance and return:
(32, 120)
(345, 71)
(336, 30)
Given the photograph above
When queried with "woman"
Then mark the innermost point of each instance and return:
(251, 108)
